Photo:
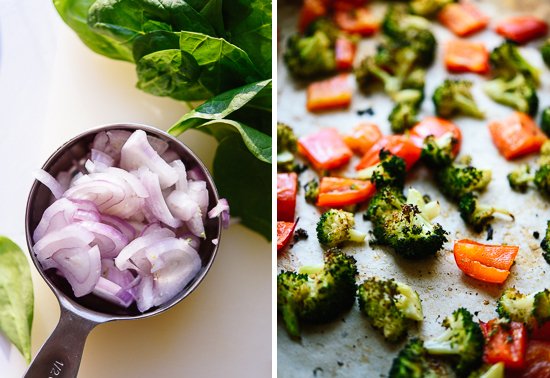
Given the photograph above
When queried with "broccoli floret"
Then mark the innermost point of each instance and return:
(542, 179)
(428, 8)
(457, 179)
(518, 93)
(403, 115)
(399, 24)
(507, 63)
(545, 51)
(478, 215)
(439, 152)
(286, 148)
(327, 27)
(390, 307)
(530, 309)
(545, 244)
(416, 80)
(390, 171)
(385, 201)
(545, 120)
(368, 74)
(312, 191)
(462, 341)
(453, 98)
(318, 297)
(520, 178)
(336, 226)
(489, 371)
(413, 361)
(310, 56)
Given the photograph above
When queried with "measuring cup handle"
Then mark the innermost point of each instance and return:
(60, 355)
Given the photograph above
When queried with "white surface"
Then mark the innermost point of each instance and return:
(52, 88)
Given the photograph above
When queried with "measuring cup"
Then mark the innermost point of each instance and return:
(61, 354)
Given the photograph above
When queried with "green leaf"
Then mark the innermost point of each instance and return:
(75, 14)
(223, 105)
(155, 41)
(16, 296)
(248, 24)
(246, 183)
(258, 143)
(212, 11)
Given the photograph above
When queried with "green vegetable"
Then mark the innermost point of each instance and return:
(390, 171)
(413, 361)
(478, 215)
(336, 226)
(489, 371)
(312, 191)
(545, 120)
(545, 52)
(521, 178)
(403, 115)
(454, 98)
(545, 244)
(518, 93)
(287, 145)
(530, 309)
(458, 179)
(438, 152)
(428, 8)
(16, 296)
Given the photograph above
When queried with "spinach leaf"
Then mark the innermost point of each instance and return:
(212, 11)
(75, 14)
(246, 182)
(153, 42)
(248, 25)
(253, 117)
(16, 296)
(223, 105)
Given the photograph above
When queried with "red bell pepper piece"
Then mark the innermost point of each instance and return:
(437, 127)
(463, 18)
(344, 50)
(542, 332)
(356, 21)
(516, 135)
(484, 262)
(287, 186)
(537, 360)
(504, 342)
(466, 56)
(340, 192)
(325, 149)
(285, 231)
(398, 145)
(363, 137)
(329, 94)
(311, 10)
(522, 29)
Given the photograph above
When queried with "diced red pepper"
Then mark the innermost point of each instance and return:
(437, 127)
(466, 56)
(522, 29)
(363, 137)
(325, 149)
(504, 342)
(542, 332)
(484, 262)
(333, 93)
(344, 50)
(463, 18)
(311, 10)
(287, 186)
(356, 21)
(285, 231)
(516, 136)
(537, 360)
(398, 145)
(340, 192)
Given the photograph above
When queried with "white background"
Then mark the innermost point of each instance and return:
(52, 88)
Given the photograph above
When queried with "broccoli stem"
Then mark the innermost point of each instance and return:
(442, 344)
(468, 107)
(356, 236)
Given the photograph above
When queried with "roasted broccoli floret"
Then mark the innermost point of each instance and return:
(399, 24)
(545, 120)
(403, 115)
(545, 244)
(454, 98)
(545, 51)
(530, 309)
(311, 55)
(507, 62)
(542, 179)
(489, 371)
(336, 226)
(457, 179)
(439, 152)
(286, 147)
(518, 93)
(428, 8)
(520, 178)
(477, 215)
(390, 307)
(413, 361)
(390, 171)
(318, 297)
(312, 191)
(386, 200)
(462, 341)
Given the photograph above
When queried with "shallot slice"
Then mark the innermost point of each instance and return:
(126, 257)
(50, 181)
(155, 202)
(71, 236)
(221, 209)
(109, 240)
(81, 267)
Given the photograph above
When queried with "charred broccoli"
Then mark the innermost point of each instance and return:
(518, 93)
(386, 200)
(336, 226)
(428, 8)
(286, 148)
(507, 62)
(390, 171)
(400, 25)
(521, 178)
(545, 120)
(319, 297)
(462, 341)
(390, 307)
(478, 215)
(413, 361)
(439, 152)
(458, 179)
(530, 309)
(453, 98)
(545, 51)
(312, 191)
(403, 115)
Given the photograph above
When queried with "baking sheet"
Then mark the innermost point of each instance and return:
(349, 347)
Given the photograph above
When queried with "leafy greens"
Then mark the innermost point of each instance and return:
(216, 51)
